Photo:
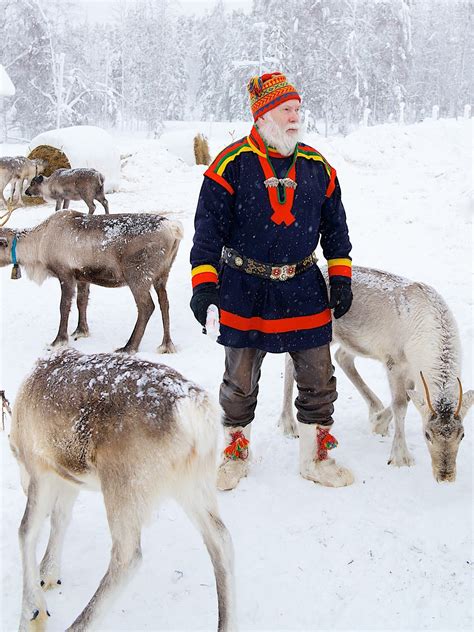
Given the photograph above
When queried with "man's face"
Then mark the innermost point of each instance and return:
(287, 116)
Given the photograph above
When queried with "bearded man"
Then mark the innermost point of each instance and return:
(265, 202)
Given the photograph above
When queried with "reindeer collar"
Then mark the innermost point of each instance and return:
(13, 251)
(16, 272)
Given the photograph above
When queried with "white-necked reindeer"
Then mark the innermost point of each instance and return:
(138, 432)
(409, 328)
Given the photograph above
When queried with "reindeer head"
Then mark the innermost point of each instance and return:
(40, 165)
(443, 427)
(34, 188)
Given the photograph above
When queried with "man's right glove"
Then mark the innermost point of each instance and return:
(340, 298)
(206, 295)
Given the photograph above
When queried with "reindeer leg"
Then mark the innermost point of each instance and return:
(102, 199)
(379, 416)
(400, 454)
(50, 567)
(40, 498)
(58, 204)
(16, 190)
(90, 206)
(123, 515)
(66, 204)
(67, 292)
(287, 421)
(203, 512)
(167, 345)
(82, 329)
(145, 307)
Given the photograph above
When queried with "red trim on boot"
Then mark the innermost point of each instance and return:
(238, 447)
(325, 442)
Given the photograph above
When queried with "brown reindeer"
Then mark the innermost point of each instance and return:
(138, 432)
(64, 185)
(109, 250)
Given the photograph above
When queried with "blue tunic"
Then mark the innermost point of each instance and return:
(234, 210)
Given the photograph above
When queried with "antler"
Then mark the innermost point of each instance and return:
(427, 393)
(460, 398)
(4, 407)
(11, 206)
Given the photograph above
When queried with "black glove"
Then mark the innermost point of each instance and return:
(201, 299)
(341, 298)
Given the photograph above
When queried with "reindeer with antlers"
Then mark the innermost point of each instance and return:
(408, 327)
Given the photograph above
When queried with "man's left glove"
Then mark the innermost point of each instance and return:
(201, 299)
(340, 298)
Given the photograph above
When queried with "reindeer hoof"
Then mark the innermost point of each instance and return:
(166, 348)
(126, 350)
(380, 421)
(58, 342)
(401, 461)
(288, 427)
(80, 334)
(50, 583)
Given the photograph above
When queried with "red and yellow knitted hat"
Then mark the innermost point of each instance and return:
(268, 92)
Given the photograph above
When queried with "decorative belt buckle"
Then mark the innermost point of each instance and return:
(283, 273)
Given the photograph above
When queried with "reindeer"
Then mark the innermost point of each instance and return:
(138, 432)
(137, 250)
(15, 170)
(64, 185)
(407, 327)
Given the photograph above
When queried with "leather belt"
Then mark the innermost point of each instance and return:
(274, 272)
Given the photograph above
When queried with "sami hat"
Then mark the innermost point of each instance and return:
(268, 92)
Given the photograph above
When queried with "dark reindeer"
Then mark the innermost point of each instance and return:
(64, 185)
(152, 437)
(109, 250)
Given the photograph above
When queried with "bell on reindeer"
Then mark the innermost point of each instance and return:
(16, 272)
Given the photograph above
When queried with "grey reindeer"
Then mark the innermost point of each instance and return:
(135, 430)
(134, 249)
(64, 185)
(408, 327)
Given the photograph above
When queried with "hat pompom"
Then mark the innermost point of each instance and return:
(255, 86)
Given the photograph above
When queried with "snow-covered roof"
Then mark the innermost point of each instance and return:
(7, 89)
(86, 146)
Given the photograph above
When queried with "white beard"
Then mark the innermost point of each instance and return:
(277, 137)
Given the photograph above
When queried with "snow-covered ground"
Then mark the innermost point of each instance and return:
(392, 552)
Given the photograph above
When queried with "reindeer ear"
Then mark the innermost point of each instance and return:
(417, 399)
(467, 401)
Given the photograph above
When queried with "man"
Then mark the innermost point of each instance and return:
(265, 202)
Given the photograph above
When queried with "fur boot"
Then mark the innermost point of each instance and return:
(235, 457)
(315, 465)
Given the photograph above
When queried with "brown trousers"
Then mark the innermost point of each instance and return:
(313, 373)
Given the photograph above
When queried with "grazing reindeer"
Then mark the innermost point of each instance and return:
(64, 185)
(409, 328)
(15, 170)
(109, 250)
(137, 431)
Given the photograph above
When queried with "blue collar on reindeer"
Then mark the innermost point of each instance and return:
(13, 254)
(16, 272)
